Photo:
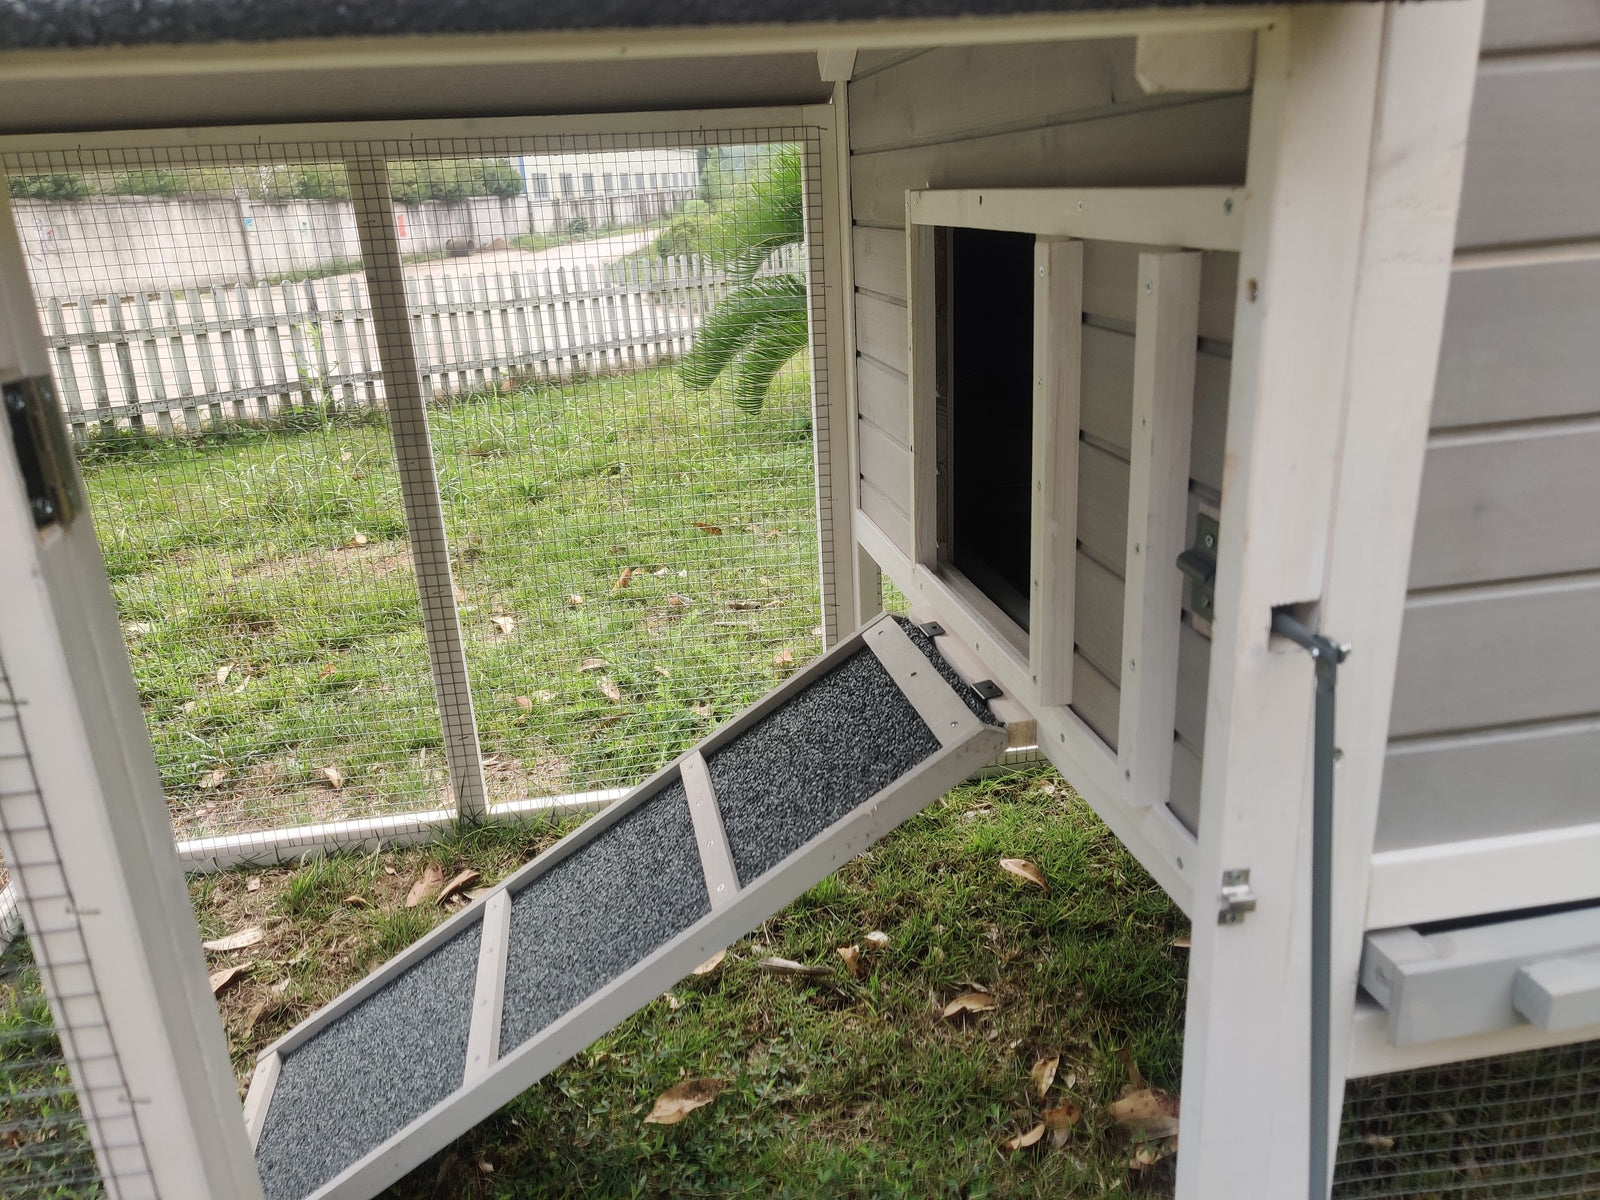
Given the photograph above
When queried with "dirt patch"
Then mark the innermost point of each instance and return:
(380, 559)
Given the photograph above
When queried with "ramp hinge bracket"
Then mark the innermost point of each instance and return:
(43, 455)
(931, 629)
(1237, 897)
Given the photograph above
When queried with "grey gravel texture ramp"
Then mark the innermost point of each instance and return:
(370, 1072)
(805, 765)
(599, 911)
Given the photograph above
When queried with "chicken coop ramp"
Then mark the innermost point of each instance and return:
(607, 919)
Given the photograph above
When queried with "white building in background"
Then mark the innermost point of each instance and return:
(669, 173)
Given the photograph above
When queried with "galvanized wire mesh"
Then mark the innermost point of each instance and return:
(633, 558)
(1517, 1125)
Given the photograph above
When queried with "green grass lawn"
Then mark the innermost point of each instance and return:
(633, 563)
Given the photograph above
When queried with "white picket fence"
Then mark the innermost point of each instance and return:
(197, 357)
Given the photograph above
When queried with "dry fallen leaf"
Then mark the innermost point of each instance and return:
(221, 979)
(783, 658)
(702, 710)
(593, 664)
(1180, 943)
(486, 1166)
(663, 672)
(213, 778)
(1023, 1140)
(235, 941)
(877, 939)
(327, 670)
(852, 959)
(610, 690)
(357, 902)
(360, 538)
(1044, 1073)
(223, 672)
(457, 882)
(281, 986)
(1023, 869)
(710, 964)
(623, 580)
(388, 870)
(743, 605)
(970, 1002)
(525, 703)
(1378, 1141)
(673, 1003)
(1060, 1120)
(1148, 1154)
(504, 624)
(709, 530)
(787, 966)
(676, 601)
(678, 1101)
(574, 600)
(253, 884)
(333, 776)
(424, 886)
(253, 1017)
(1146, 1111)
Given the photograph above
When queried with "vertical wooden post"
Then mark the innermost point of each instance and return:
(419, 482)
(922, 355)
(1166, 337)
(1057, 388)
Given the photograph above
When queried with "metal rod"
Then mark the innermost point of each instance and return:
(1326, 655)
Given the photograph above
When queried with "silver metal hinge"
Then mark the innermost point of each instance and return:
(1237, 897)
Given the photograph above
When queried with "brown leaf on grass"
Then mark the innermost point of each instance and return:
(783, 658)
(678, 1101)
(253, 1017)
(221, 979)
(877, 939)
(1148, 1154)
(525, 703)
(1146, 1111)
(787, 966)
(743, 605)
(702, 710)
(235, 941)
(334, 777)
(360, 539)
(214, 778)
(708, 530)
(223, 672)
(457, 882)
(1377, 1141)
(1135, 1076)
(281, 986)
(357, 902)
(575, 600)
(673, 1003)
(544, 696)
(504, 624)
(852, 959)
(623, 580)
(676, 601)
(328, 669)
(970, 1002)
(1060, 1120)
(710, 964)
(253, 884)
(425, 885)
(593, 664)
(1043, 1073)
(1181, 943)
(1023, 869)
(662, 671)
(1023, 1140)
(610, 690)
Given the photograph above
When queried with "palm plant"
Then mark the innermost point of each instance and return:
(761, 324)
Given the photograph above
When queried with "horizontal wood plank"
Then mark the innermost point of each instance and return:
(1185, 802)
(880, 261)
(1519, 342)
(1510, 25)
(1533, 152)
(1111, 269)
(1102, 504)
(1096, 699)
(1194, 673)
(885, 463)
(1509, 505)
(887, 516)
(960, 91)
(1498, 656)
(883, 397)
(1097, 616)
(881, 331)
(1489, 784)
(1198, 143)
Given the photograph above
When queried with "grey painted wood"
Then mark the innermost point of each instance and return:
(1193, 143)
(1185, 802)
(883, 397)
(869, 62)
(1519, 342)
(1194, 672)
(1510, 504)
(1102, 504)
(1489, 784)
(1498, 655)
(880, 261)
(1002, 88)
(1097, 616)
(881, 331)
(1533, 152)
(1096, 699)
(1510, 25)
(887, 516)
(886, 463)
(1110, 270)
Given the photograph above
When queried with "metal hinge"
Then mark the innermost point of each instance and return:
(1237, 897)
(1199, 563)
(43, 454)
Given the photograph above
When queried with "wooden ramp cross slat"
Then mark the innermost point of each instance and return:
(607, 919)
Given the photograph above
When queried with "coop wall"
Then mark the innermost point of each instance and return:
(1494, 728)
(1043, 115)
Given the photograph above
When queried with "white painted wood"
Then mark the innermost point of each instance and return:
(1204, 218)
(883, 397)
(886, 461)
(419, 482)
(1102, 505)
(1512, 25)
(716, 856)
(1021, 726)
(263, 1081)
(1058, 375)
(880, 261)
(1158, 519)
(919, 349)
(489, 989)
(886, 516)
(1480, 875)
(1371, 1054)
(141, 1033)
(836, 66)
(1097, 623)
(1109, 269)
(1247, 1032)
(881, 331)
(1201, 62)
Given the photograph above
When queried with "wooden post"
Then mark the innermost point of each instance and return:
(419, 482)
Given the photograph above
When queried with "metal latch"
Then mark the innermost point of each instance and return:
(1199, 563)
(43, 455)
(1237, 897)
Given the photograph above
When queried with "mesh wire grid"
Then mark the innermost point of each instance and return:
(633, 558)
(1517, 1125)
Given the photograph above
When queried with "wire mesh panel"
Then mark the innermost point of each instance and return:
(1518, 1125)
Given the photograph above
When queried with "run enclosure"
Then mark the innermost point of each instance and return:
(1274, 297)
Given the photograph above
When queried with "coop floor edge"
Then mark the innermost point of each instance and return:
(592, 930)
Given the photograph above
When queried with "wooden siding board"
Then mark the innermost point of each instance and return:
(1199, 143)
(1003, 87)
(886, 464)
(1096, 699)
(1509, 505)
(1489, 785)
(881, 331)
(880, 261)
(1510, 25)
(883, 396)
(1102, 504)
(1497, 656)
(1110, 270)
(1533, 152)
(1519, 343)
(887, 516)
(1097, 629)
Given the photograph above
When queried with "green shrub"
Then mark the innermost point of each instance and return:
(150, 183)
(452, 179)
(49, 187)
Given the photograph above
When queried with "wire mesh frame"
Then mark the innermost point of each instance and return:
(808, 131)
